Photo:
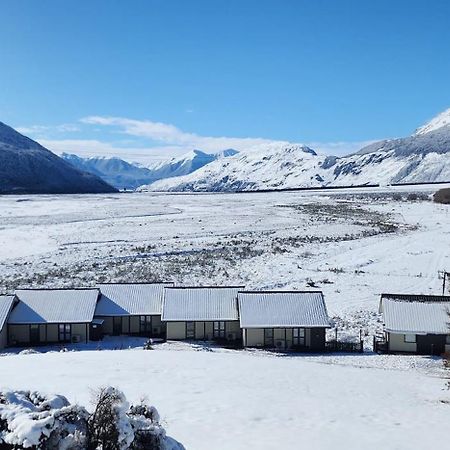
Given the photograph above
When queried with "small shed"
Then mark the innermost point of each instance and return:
(131, 308)
(6, 304)
(202, 313)
(283, 319)
(416, 323)
(44, 316)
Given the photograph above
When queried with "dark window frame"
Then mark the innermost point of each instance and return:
(190, 333)
(37, 334)
(117, 320)
(219, 329)
(269, 337)
(64, 332)
(408, 341)
(299, 337)
(145, 324)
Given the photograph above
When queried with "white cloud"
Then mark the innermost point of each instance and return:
(92, 147)
(40, 129)
(149, 142)
(170, 134)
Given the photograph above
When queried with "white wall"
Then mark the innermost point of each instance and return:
(176, 330)
(397, 343)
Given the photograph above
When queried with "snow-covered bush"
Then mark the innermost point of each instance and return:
(32, 420)
(148, 432)
(29, 419)
(148, 345)
(109, 426)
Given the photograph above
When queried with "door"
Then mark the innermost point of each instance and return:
(64, 332)
(431, 344)
(219, 331)
(34, 334)
(117, 326)
(268, 337)
(190, 330)
(145, 325)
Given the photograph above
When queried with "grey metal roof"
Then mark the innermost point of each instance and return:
(126, 299)
(279, 309)
(54, 306)
(409, 314)
(417, 297)
(200, 303)
(6, 302)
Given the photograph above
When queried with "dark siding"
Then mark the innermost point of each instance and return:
(317, 339)
(431, 344)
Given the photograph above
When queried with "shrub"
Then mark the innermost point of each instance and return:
(32, 420)
(442, 196)
(29, 419)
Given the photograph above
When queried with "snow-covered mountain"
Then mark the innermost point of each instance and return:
(115, 171)
(440, 121)
(28, 168)
(422, 157)
(126, 175)
(187, 163)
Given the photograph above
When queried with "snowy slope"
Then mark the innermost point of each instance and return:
(422, 157)
(27, 167)
(123, 174)
(115, 171)
(440, 121)
(240, 400)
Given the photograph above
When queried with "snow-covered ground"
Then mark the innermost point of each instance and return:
(352, 244)
(223, 399)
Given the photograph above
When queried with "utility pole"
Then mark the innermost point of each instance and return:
(444, 275)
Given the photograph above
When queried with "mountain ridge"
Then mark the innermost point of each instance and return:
(421, 157)
(26, 167)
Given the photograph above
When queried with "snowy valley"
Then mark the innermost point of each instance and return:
(353, 244)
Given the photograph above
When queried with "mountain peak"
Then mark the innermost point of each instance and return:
(440, 121)
(294, 148)
(28, 168)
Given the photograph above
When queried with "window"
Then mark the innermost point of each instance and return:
(447, 339)
(145, 324)
(268, 337)
(298, 336)
(190, 330)
(219, 330)
(410, 338)
(34, 334)
(117, 325)
(64, 332)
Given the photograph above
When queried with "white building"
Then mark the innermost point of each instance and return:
(6, 304)
(283, 319)
(416, 323)
(202, 313)
(131, 308)
(43, 316)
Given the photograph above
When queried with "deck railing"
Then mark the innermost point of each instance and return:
(346, 347)
(380, 344)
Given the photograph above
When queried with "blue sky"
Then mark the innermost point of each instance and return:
(161, 76)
